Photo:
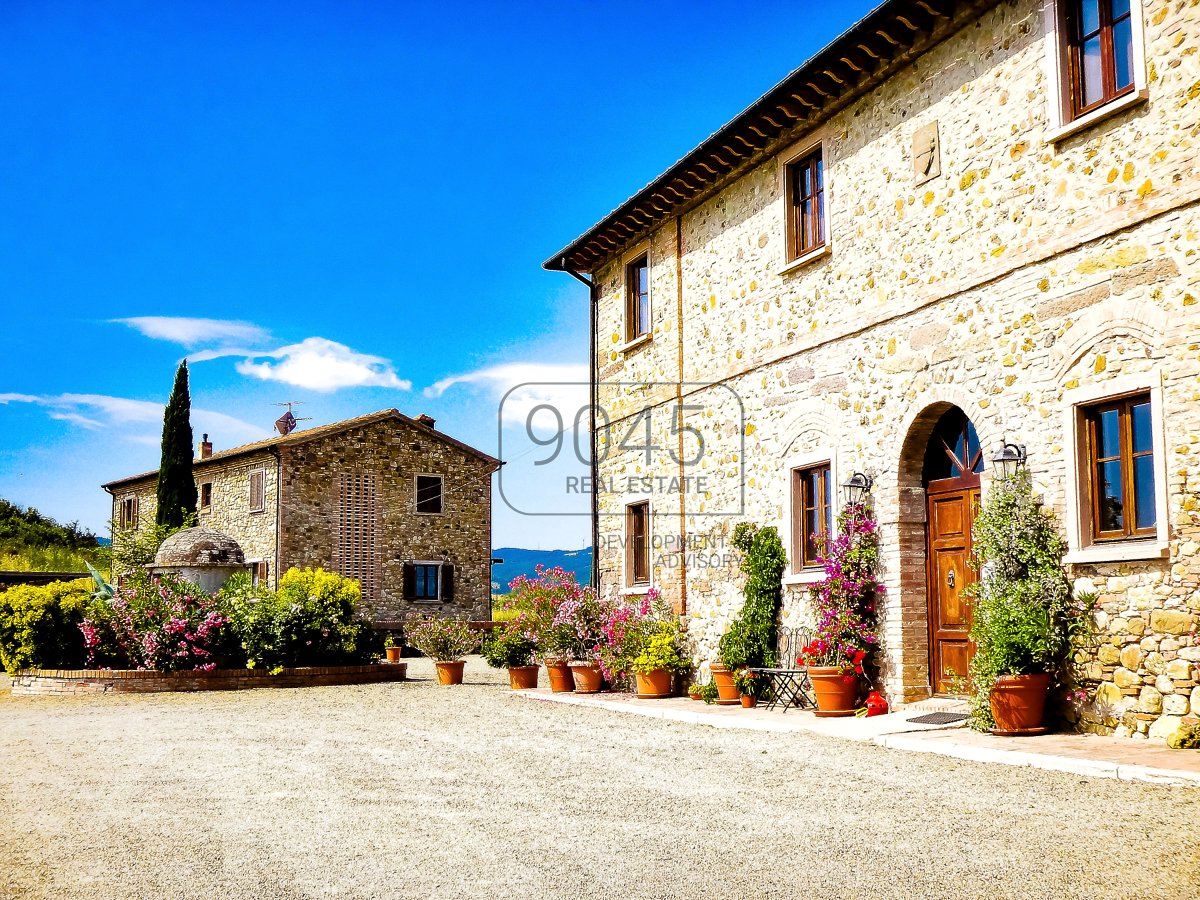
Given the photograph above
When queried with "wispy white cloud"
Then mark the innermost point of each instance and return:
(315, 363)
(129, 418)
(520, 387)
(191, 332)
(319, 364)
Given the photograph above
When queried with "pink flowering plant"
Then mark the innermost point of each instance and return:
(164, 624)
(640, 634)
(441, 638)
(561, 617)
(844, 601)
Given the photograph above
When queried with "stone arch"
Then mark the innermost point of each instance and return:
(907, 607)
(809, 421)
(1143, 321)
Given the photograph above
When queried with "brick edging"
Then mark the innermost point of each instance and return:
(45, 682)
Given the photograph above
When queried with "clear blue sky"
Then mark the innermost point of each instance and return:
(357, 196)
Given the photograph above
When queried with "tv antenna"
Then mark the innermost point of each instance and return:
(287, 423)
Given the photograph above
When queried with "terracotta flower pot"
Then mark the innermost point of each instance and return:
(654, 685)
(393, 653)
(1019, 703)
(835, 690)
(749, 701)
(523, 678)
(694, 695)
(727, 692)
(561, 681)
(450, 671)
(588, 678)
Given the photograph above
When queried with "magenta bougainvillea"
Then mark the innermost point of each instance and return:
(844, 601)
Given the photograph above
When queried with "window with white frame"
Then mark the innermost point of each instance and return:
(637, 297)
(1116, 491)
(812, 514)
(637, 544)
(1097, 60)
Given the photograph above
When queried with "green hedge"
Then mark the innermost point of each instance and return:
(39, 626)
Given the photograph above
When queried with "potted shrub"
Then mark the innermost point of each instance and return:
(1025, 622)
(750, 641)
(659, 658)
(695, 690)
(749, 685)
(444, 640)
(509, 647)
(392, 648)
(708, 693)
(843, 603)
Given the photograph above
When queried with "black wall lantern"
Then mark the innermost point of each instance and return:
(1009, 460)
(856, 487)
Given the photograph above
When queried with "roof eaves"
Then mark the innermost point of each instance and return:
(855, 62)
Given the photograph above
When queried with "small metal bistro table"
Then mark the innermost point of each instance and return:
(790, 685)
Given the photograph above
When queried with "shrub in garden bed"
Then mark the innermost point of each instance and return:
(167, 624)
(312, 620)
(39, 626)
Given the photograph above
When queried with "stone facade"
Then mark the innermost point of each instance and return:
(342, 497)
(1033, 272)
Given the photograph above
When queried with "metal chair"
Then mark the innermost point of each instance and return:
(789, 682)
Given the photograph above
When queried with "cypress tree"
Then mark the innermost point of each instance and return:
(176, 485)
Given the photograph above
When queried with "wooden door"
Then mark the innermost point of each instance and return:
(951, 511)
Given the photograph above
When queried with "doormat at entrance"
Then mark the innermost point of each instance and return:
(939, 718)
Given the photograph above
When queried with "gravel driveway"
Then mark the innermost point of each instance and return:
(416, 790)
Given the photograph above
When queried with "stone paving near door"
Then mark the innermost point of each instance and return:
(1084, 754)
(418, 790)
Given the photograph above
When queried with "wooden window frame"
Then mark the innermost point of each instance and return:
(441, 497)
(128, 513)
(635, 329)
(1074, 38)
(804, 238)
(805, 552)
(206, 491)
(633, 555)
(1125, 458)
(261, 475)
(1064, 118)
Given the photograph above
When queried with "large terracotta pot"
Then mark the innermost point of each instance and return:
(655, 685)
(727, 692)
(835, 690)
(523, 678)
(393, 653)
(749, 701)
(1019, 703)
(450, 671)
(561, 681)
(588, 678)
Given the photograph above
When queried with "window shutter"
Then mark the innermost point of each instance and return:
(136, 514)
(447, 582)
(410, 581)
(261, 572)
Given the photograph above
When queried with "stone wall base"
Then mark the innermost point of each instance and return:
(45, 682)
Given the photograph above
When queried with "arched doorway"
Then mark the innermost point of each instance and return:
(950, 475)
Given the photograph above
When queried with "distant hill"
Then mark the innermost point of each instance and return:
(525, 562)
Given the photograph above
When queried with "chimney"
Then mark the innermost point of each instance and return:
(205, 447)
(427, 421)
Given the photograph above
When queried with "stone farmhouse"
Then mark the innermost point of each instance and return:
(960, 225)
(382, 498)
